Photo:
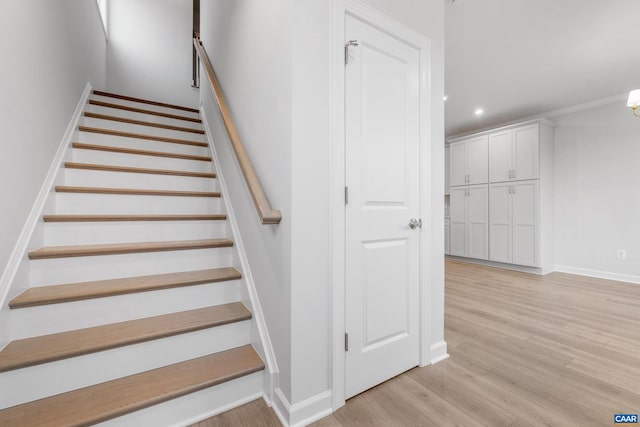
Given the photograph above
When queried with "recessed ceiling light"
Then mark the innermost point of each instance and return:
(479, 111)
(444, 98)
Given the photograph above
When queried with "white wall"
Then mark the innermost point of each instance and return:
(149, 50)
(50, 51)
(248, 42)
(311, 310)
(597, 158)
(273, 63)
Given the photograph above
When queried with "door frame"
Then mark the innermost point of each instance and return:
(365, 13)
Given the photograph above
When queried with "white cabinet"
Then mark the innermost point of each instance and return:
(517, 226)
(513, 230)
(514, 154)
(446, 170)
(468, 161)
(469, 223)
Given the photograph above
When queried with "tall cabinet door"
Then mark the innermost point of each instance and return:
(526, 156)
(478, 222)
(458, 221)
(525, 223)
(457, 164)
(500, 217)
(477, 151)
(500, 156)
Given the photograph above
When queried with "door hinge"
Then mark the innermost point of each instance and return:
(346, 195)
(346, 50)
(346, 342)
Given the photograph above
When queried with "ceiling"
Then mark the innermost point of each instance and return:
(520, 58)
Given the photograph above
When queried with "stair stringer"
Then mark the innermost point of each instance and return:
(32, 234)
(260, 333)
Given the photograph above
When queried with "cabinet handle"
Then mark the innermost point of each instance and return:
(510, 173)
(514, 174)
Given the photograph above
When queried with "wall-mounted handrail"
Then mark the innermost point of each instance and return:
(265, 212)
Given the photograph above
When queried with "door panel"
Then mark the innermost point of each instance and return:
(478, 160)
(478, 222)
(458, 221)
(525, 223)
(500, 222)
(382, 173)
(457, 164)
(379, 297)
(526, 153)
(500, 156)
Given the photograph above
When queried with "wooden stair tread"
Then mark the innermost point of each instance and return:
(48, 348)
(83, 146)
(135, 191)
(142, 123)
(128, 169)
(101, 402)
(116, 218)
(125, 248)
(141, 136)
(55, 294)
(143, 111)
(144, 101)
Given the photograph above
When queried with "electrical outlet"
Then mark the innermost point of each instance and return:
(621, 254)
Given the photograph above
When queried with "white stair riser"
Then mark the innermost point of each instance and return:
(116, 112)
(194, 407)
(139, 161)
(39, 381)
(80, 203)
(36, 321)
(98, 178)
(140, 144)
(145, 130)
(82, 269)
(144, 106)
(86, 233)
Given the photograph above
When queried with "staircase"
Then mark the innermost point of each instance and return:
(134, 312)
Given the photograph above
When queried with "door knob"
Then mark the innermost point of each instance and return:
(415, 223)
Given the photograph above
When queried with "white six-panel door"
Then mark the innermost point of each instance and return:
(382, 175)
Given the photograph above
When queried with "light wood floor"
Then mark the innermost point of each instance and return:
(526, 350)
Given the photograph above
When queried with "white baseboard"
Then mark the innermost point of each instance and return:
(618, 277)
(302, 413)
(439, 352)
(18, 256)
(514, 267)
(265, 340)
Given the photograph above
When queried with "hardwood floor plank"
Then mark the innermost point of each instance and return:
(126, 248)
(48, 348)
(525, 350)
(55, 294)
(446, 378)
(255, 413)
(144, 101)
(101, 402)
(430, 404)
(143, 111)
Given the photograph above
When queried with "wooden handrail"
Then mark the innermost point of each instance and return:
(265, 212)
